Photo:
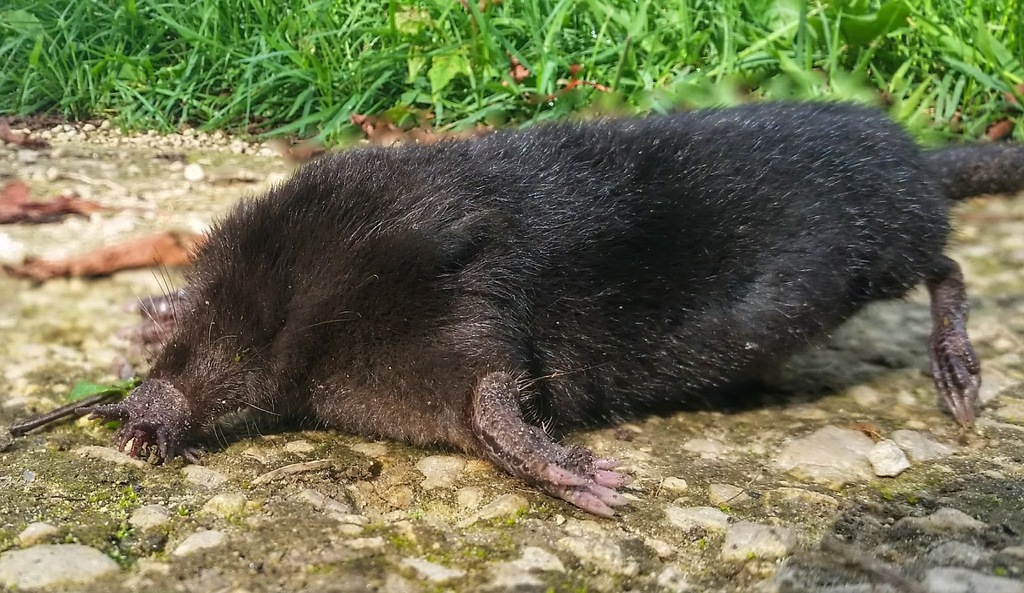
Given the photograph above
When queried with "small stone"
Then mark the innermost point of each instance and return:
(470, 497)
(962, 580)
(707, 448)
(49, 565)
(690, 518)
(534, 558)
(865, 396)
(919, 447)
(432, 572)
(440, 471)
(958, 554)
(109, 454)
(1014, 552)
(887, 459)
(226, 504)
(149, 517)
(673, 580)
(674, 484)
(726, 494)
(745, 541)
(831, 456)
(506, 505)
(600, 552)
(194, 173)
(944, 520)
(89, 127)
(365, 543)
(28, 156)
(202, 540)
(204, 477)
(506, 576)
(323, 503)
(36, 533)
(661, 548)
(299, 446)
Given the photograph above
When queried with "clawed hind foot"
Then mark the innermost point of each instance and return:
(570, 473)
(954, 364)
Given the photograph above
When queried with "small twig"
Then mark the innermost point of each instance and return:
(72, 409)
(291, 470)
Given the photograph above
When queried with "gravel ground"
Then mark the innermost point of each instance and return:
(844, 478)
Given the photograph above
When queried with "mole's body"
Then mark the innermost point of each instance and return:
(465, 293)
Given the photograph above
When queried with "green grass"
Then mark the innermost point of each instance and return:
(304, 66)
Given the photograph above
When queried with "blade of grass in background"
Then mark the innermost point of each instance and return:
(304, 66)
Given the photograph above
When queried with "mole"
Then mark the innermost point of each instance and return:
(488, 295)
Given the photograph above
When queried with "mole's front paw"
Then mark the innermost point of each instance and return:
(154, 417)
(570, 473)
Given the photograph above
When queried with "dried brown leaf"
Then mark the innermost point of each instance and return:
(169, 248)
(20, 138)
(15, 207)
(999, 129)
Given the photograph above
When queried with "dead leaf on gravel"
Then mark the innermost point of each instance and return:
(381, 131)
(15, 207)
(1000, 129)
(297, 153)
(20, 138)
(169, 248)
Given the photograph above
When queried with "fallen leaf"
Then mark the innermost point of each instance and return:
(381, 131)
(869, 429)
(999, 129)
(378, 130)
(297, 153)
(20, 138)
(15, 207)
(517, 71)
(169, 248)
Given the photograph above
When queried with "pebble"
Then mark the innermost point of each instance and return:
(470, 497)
(149, 517)
(11, 252)
(600, 552)
(958, 554)
(690, 518)
(50, 565)
(202, 540)
(673, 580)
(831, 456)
(674, 484)
(506, 505)
(111, 455)
(944, 520)
(919, 447)
(6, 438)
(299, 446)
(396, 584)
(435, 573)
(706, 448)
(726, 494)
(962, 580)
(193, 173)
(330, 506)
(661, 548)
(1014, 551)
(28, 156)
(440, 471)
(365, 543)
(745, 541)
(535, 558)
(36, 533)
(204, 477)
(801, 496)
(506, 576)
(226, 504)
(887, 459)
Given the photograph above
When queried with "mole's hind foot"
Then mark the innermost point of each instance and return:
(570, 473)
(954, 364)
(154, 417)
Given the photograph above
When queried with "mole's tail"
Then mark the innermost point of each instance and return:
(967, 171)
